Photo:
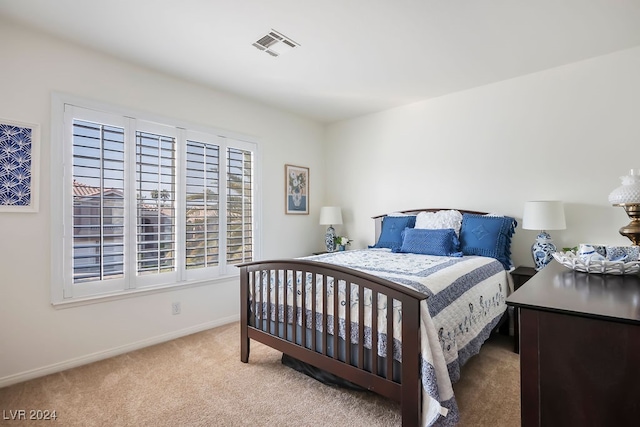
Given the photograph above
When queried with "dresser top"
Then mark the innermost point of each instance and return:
(559, 289)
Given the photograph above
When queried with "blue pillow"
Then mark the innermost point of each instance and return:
(443, 242)
(392, 228)
(488, 236)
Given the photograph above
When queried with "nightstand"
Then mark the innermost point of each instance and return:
(520, 276)
(320, 253)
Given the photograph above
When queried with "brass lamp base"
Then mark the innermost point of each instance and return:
(632, 230)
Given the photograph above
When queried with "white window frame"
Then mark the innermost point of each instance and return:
(66, 293)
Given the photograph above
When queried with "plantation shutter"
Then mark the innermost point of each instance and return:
(147, 205)
(156, 211)
(202, 205)
(98, 201)
(239, 205)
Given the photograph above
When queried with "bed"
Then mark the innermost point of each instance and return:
(443, 273)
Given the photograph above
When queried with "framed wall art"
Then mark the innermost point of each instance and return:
(296, 190)
(19, 166)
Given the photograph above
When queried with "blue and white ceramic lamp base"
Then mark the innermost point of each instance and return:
(329, 239)
(542, 250)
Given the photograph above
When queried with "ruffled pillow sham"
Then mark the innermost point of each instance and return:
(440, 220)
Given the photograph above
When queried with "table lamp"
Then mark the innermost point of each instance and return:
(543, 215)
(330, 215)
(628, 196)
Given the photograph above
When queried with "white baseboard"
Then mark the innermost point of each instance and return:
(101, 355)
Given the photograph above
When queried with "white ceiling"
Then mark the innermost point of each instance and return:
(356, 56)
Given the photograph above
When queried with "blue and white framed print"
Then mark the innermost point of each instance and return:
(296, 189)
(19, 166)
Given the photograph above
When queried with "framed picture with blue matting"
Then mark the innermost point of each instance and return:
(296, 190)
(19, 166)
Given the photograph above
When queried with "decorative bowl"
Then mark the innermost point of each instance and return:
(570, 260)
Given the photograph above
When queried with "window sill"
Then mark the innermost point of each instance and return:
(77, 302)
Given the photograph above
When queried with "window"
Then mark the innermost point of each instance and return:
(239, 206)
(142, 204)
(203, 189)
(98, 201)
(155, 203)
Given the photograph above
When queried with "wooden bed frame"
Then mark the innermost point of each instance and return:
(407, 392)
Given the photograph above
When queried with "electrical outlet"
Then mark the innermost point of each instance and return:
(175, 308)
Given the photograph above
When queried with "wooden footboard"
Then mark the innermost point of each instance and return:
(261, 282)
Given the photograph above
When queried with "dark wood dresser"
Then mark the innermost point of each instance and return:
(579, 348)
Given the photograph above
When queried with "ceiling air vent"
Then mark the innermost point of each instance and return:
(275, 44)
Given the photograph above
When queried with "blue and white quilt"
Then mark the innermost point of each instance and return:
(466, 298)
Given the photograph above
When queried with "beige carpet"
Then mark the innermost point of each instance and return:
(199, 380)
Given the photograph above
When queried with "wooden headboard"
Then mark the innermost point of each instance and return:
(378, 218)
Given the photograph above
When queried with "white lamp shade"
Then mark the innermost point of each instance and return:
(543, 215)
(330, 215)
(629, 191)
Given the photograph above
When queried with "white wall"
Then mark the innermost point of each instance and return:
(563, 134)
(36, 338)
